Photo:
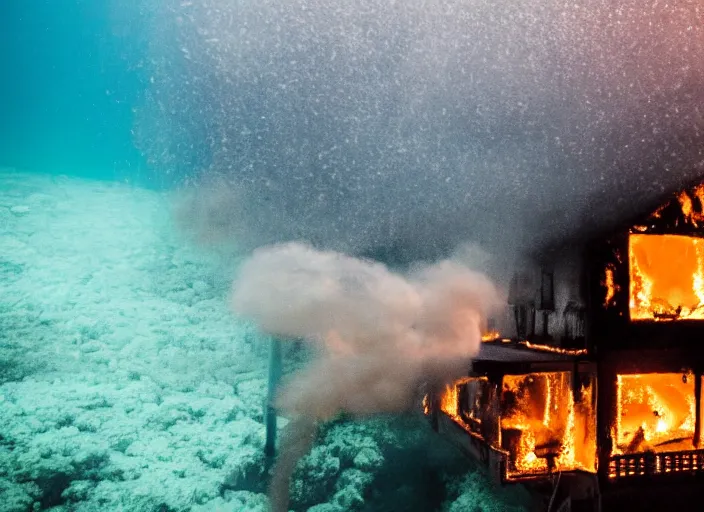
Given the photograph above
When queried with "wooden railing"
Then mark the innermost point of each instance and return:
(648, 464)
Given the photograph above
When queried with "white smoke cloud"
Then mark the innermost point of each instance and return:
(380, 333)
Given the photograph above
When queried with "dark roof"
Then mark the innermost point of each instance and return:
(523, 353)
(623, 221)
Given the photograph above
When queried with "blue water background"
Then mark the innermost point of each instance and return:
(70, 75)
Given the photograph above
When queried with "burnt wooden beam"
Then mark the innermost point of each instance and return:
(697, 407)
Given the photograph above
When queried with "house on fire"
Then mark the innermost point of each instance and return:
(596, 401)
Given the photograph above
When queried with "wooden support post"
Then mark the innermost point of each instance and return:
(270, 412)
(698, 408)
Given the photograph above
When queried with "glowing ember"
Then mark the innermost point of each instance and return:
(656, 412)
(554, 350)
(666, 277)
(492, 335)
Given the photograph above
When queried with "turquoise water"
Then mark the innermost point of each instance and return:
(68, 87)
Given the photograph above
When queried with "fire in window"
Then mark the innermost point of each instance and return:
(543, 428)
(666, 277)
(656, 413)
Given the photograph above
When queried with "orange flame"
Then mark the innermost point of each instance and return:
(694, 216)
(656, 412)
(610, 285)
(491, 335)
(449, 401)
(666, 277)
(555, 350)
(542, 428)
(691, 203)
(551, 432)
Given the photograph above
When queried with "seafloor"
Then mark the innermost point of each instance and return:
(127, 385)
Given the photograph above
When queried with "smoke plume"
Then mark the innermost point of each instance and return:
(297, 440)
(380, 334)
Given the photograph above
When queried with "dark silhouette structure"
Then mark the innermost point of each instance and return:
(596, 403)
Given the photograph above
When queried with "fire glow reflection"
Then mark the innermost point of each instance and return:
(666, 277)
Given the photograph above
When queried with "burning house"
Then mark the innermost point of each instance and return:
(596, 401)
